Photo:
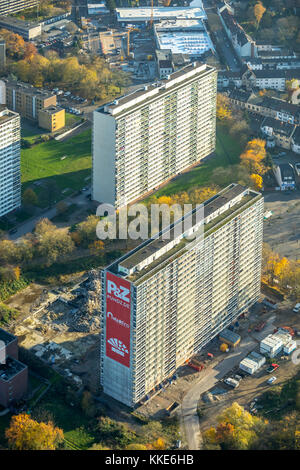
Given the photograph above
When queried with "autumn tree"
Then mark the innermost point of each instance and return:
(97, 248)
(223, 107)
(258, 10)
(30, 197)
(257, 181)
(237, 429)
(253, 158)
(24, 433)
(86, 230)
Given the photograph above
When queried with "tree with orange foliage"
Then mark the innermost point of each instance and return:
(96, 248)
(159, 444)
(17, 272)
(253, 157)
(257, 181)
(259, 11)
(223, 108)
(24, 433)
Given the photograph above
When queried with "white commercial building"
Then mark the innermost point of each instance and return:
(183, 37)
(143, 139)
(10, 179)
(143, 14)
(166, 299)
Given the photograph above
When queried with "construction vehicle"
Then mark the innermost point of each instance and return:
(194, 364)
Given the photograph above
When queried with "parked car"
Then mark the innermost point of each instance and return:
(272, 368)
(271, 379)
(296, 309)
(231, 382)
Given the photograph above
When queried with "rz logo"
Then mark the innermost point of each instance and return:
(121, 293)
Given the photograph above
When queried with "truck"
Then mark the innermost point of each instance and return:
(196, 365)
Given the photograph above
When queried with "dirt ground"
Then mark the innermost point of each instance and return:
(55, 326)
(281, 230)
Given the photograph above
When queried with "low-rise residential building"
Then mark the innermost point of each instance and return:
(13, 373)
(165, 68)
(241, 41)
(229, 78)
(296, 140)
(275, 79)
(265, 105)
(52, 118)
(25, 29)
(27, 100)
(278, 131)
(285, 176)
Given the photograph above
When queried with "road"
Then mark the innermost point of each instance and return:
(210, 379)
(28, 226)
(227, 51)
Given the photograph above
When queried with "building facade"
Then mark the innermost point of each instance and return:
(10, 161)
(13, 373)
(2, 54)
(52, 118)
(143, 139)
(24, 28)
(27, 100)
(8, 7)
(165, 300)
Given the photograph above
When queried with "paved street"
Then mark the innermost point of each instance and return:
(210, 378)
(49, 213)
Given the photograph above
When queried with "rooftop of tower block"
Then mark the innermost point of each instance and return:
(155, 90)
(153, 252)
(6, 114)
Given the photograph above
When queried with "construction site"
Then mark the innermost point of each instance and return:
(209, 369)
(61, 327)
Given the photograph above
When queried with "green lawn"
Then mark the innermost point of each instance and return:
(30, 131)
(70, 419)
(66, 163)
(227, 153)
(72, 118)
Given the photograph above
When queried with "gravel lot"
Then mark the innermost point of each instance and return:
(282, 229)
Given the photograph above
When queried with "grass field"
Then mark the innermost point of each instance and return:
(72, 118)
(227, 153)
(67, 163)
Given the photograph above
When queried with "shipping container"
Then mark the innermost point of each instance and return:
(248, 366)
(229, 337)
(290, 347)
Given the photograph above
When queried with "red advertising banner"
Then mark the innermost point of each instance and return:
(118, 319)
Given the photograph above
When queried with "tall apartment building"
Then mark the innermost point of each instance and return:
(10, 161)
(166, 299)
(27, 100)
(143, 139)
(8, 7)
